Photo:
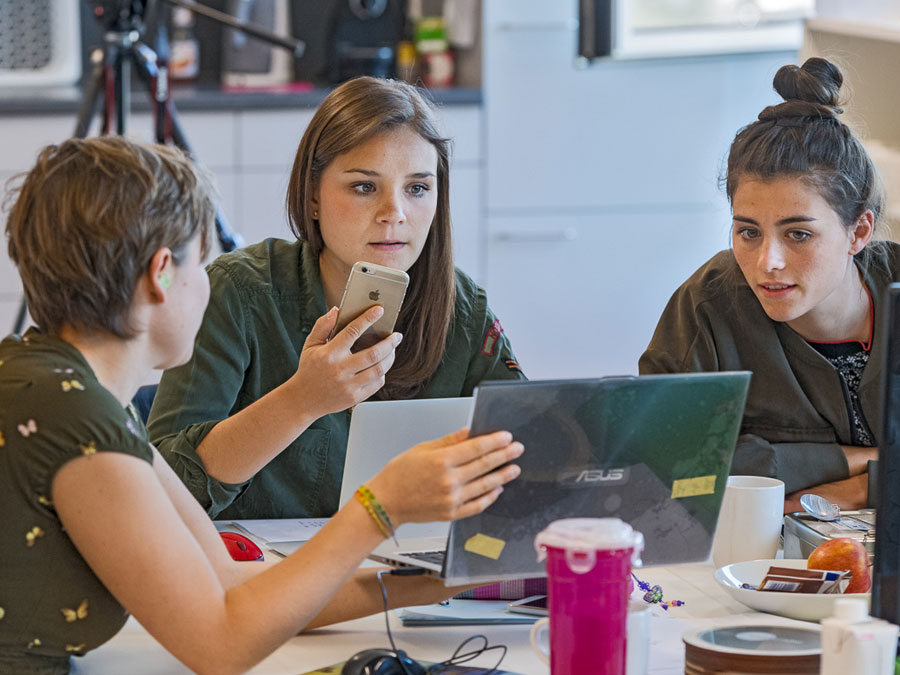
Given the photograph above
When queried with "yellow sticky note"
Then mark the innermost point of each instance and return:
(481, 544)
(692, 487)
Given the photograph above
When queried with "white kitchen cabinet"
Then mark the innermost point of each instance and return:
(601, 191)
(211, 135)
(867, 48)
(563, 136)
(262, 210)
(21, 139)
(10, 285)
(269, 139)
(465, 210)
(579, 296)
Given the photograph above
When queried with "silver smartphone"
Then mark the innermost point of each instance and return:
(368, 285)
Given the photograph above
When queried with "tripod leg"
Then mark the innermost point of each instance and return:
(122, 84)
(145, 65)
(153, 70)
(91, 95)
(19, 323)
(228, 238)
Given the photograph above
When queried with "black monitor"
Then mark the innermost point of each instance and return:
(886, 571)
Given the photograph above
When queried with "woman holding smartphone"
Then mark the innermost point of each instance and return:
(256, 423)
(109, 238)
(795, 299)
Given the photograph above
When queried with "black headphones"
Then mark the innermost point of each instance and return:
(396, 661)
(381, 662)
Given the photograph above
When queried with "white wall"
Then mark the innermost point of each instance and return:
(601, 184)
(859, 10)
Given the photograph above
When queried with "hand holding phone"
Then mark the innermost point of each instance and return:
(331, 375)
(370, 284)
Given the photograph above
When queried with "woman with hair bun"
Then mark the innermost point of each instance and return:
(795, 298)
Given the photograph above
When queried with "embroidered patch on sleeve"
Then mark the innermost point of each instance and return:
(512, 364)
(490, 340)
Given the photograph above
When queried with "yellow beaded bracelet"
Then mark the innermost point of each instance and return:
(365, 497)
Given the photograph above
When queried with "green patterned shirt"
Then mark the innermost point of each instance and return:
(52, 410)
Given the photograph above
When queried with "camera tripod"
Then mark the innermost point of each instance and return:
(110, 80)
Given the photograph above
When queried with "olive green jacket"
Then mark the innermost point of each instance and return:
(263, 304)
(797, 413)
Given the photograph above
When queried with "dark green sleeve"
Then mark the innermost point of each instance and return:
(492, 357)
(798, 465)
(193, 398)
(682, 341)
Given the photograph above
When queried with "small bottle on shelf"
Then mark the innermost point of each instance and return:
(434, 55)
(184, 59)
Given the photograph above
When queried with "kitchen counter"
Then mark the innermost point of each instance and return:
(67, 100)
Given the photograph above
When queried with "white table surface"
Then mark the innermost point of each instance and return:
(133, 651)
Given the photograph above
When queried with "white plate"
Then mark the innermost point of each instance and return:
(803, 606)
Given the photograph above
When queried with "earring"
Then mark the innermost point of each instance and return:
(316, 215)
(164, 280)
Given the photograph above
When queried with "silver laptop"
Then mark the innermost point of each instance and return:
(381, 430)
(653, 450)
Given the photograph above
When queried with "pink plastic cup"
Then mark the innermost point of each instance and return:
(589, 563)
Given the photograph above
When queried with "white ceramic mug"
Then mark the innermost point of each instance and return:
(750, 521)
(637, 649)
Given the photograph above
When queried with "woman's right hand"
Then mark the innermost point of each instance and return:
(447, 479)
(332, 376)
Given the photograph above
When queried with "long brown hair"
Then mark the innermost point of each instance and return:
(351, 115)
(804, 137)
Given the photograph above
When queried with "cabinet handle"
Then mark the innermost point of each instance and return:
(566, 234)
(533, 26)
(595, 28)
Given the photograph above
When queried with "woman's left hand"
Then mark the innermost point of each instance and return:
(850, 493)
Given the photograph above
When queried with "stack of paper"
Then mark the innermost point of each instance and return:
(284, 536)
(462, 613)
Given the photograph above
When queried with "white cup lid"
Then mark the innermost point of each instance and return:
(852, 610)
(590, 534)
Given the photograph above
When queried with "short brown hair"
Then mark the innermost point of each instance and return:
(88, 218)
(351, 115)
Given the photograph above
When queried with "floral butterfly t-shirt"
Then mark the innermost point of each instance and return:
(52, 410)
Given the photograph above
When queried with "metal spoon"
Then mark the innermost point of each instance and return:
(819, 507)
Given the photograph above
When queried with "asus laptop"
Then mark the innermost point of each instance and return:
(653, 450)
(381, 430)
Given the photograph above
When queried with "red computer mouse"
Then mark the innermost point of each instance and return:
(241, 547)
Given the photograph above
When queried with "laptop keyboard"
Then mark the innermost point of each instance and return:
(434, 557)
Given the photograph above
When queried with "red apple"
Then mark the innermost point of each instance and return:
(844, 553)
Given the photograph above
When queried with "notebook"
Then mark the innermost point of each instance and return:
(653, 450)
(381, 430)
